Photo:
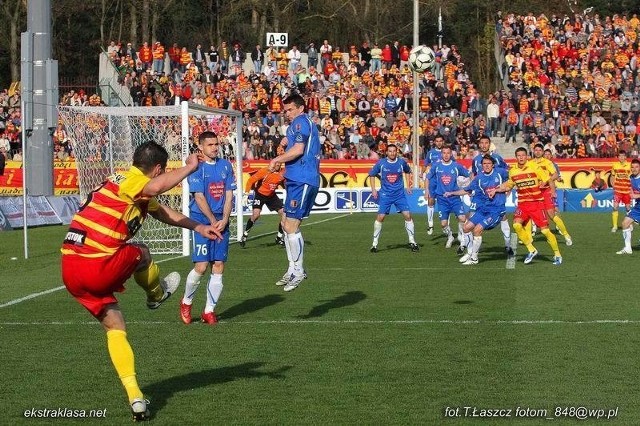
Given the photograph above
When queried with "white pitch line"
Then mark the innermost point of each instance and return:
(343, 322)
(30, 296)
(266, 234)
(53, 290)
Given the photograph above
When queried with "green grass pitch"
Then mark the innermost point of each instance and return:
(389, 338)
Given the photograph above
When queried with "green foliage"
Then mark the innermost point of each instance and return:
(387, 338)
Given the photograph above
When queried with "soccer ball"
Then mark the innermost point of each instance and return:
(421, 58)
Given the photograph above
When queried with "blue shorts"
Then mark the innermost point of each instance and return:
(300, 199)
(634, 214)
(487, 218)
(385, 202)
(448, 205)
(206, 250)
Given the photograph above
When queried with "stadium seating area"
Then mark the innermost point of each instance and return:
(571, 84)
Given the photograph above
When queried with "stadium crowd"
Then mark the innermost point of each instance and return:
(572, 85)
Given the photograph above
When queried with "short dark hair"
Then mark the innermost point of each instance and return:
(294, 98)
(635, 161)
(489, 157)
(521, 149)
(148, 155)
(206, 135)
(539, 145)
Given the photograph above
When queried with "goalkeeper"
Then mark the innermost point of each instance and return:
(264, 182)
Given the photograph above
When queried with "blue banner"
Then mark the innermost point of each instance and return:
(588, 200)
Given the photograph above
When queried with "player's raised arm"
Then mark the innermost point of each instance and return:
(162, 181)
(169, 216)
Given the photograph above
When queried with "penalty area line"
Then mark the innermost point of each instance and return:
(53, 290)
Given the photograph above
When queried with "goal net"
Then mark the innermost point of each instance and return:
(104, 139)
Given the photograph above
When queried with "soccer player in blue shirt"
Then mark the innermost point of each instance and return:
(484, 145)
(443, 178)
(433, 156)
(634, 213)
(391, 171)
(212, 186)
(490, 207)
(302, 180)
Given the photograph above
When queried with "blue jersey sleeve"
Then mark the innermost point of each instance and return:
(375, 170)
(195, 181)
(230, 179)
(405, 167)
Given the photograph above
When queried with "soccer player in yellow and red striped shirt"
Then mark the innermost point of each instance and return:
(529, 181)
(620, 173)
(97, 258)
(549, 193)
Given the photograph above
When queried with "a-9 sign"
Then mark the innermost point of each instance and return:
(278, 39)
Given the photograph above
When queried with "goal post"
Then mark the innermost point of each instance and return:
(104, 139)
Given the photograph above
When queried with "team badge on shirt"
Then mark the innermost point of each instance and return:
(294, 203)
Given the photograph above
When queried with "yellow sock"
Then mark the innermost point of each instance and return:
(614, 218)
(122, 357)
(528, 227)
(149, 280)
(552, 240)
(525, 236)
(560, 225)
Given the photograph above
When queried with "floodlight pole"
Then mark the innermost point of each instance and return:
(414, 116)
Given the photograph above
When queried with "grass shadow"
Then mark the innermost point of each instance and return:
(160, 392)
(347, 299)
(251, 305)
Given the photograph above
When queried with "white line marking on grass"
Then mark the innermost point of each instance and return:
(343, 322)
(30, 296)
(53, 290)
(266, 234)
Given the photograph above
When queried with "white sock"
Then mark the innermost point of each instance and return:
(626, 236)
(408, 225)
(296, 246)
(287, 247)
(447, 230)
(461, 233)
(214, 289)
(191, 286)
(475, 246)
(506, 232)
(534, 228)
(377, 230)
(466, 239)
(430, 211)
